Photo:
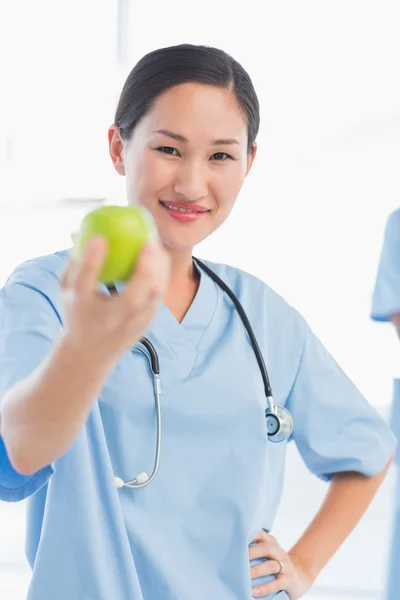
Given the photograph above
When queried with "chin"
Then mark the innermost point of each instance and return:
(178, 246)
(181, 243)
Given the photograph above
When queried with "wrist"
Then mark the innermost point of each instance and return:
(308, 567)
(71, 351)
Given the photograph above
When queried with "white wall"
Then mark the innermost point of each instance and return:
(58, 93)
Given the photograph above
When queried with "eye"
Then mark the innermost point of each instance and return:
(221, 156)
(168, 150)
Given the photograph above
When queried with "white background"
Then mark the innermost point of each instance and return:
(311, 216)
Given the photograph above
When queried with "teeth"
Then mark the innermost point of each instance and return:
(184, 210)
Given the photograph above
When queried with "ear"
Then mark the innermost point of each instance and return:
(250, 158)
(116, 147)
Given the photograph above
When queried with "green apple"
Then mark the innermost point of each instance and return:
(126, 229)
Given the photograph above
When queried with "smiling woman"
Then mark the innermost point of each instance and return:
(77, 397)
(185, 139)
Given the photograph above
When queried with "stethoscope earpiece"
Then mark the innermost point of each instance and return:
(139, 481)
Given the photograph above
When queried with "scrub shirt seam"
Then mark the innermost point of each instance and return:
(27, 484)
(217, 291)
(300, 361)
(36, 289)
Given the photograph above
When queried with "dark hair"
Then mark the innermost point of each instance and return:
(162, 69)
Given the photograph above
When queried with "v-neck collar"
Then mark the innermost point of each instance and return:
(183, 339)
(197, 318)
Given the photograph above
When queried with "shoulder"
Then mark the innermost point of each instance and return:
(260, 299)
(31, 296)
(35, 280)
(40, 272)
(280, 330)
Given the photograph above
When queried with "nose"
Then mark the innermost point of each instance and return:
(191, 182)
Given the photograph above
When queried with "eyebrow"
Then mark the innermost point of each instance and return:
(180, 138)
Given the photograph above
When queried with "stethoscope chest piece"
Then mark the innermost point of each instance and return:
(279, 424)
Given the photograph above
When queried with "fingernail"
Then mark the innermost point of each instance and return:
(97, 241)
(95, 246)
(256, 591)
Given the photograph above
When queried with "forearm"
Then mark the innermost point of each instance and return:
(348, 497)
(43, 413)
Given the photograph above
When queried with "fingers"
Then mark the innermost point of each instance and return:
(149, 281)
(265, 551)
(268, 567)
(273, 587)
(263, 536)
(83, 275)
(269, 550)
(274, 560)
(266, 547)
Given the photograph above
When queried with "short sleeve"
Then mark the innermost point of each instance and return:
(386, 295)
(29, 325)
(335, 428)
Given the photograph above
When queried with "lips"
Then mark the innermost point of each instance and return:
(184, 207)
(184, 211)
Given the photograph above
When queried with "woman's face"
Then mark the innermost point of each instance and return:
(189, 152)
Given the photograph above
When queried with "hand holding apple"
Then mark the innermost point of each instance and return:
(107, 325)
(126, 228)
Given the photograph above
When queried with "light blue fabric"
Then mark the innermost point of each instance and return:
(395, 417)
(386, 296)
(186, 535)
(393, 573)
(385, 303)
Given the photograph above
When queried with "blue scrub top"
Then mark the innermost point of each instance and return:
(186, 535)
(386, 299)
(386, 296)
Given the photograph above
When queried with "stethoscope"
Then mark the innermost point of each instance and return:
(279, 421)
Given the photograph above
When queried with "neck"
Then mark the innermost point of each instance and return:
(183, 284)
(182, 270)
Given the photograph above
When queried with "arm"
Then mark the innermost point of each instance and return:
(43, 413)
(353, 451)
(348, 497)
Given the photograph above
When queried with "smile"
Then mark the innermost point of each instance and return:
(178, 211)
(183, 210)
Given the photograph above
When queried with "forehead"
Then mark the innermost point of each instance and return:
(193, 108)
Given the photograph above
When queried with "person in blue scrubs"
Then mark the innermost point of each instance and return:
(78, 406)
(386, 308)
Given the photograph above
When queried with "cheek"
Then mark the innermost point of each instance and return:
(145, 180)
(227, 184)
